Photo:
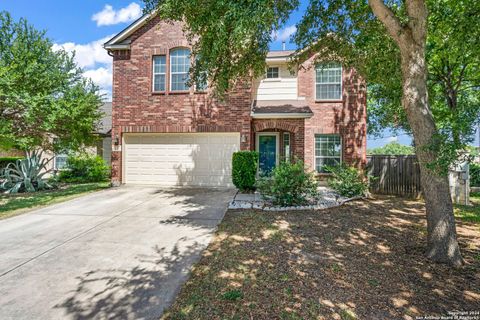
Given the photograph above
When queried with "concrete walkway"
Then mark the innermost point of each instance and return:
(122, 253)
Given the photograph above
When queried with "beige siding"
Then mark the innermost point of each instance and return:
(283, 88)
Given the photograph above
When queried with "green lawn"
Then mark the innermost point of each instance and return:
(18, 203)
(469, 213)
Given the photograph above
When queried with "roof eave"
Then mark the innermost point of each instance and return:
(278, 59)
(116, 46)
(127, 31)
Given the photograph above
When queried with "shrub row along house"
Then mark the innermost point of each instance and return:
(166, 132)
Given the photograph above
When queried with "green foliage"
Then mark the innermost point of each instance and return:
(244, 169)
(25, 175)
(289, 185)
(232, 295)
(393, 148)
(5, 161)
(474, 174)
(231, 40)
(231, 37)
(347, 181)
(85, 168)
(42, 92)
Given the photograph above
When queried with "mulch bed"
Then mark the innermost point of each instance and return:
(363, 260)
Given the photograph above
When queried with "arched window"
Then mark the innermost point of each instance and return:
(179, 69)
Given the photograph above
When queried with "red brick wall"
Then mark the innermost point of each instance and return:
(346, 117)
(295, 126)
(137, 109)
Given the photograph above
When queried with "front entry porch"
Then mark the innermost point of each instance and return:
(278, 140)
(268, 148)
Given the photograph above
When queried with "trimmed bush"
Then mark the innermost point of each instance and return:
(244, 169)
(85, 168)
(474, 175)
(5, 161)
(289, 185)
(347, 181)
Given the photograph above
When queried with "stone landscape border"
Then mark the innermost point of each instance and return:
(253, 201)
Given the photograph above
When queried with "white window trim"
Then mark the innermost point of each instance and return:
(277, 151)
(278, 73)
(287, 157)
(330, 157)
(341, 86)
(158, 73)
(172, 73)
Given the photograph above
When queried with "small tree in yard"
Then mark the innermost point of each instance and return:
(387, 43)
(44, 99)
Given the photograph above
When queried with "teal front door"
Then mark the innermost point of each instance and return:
(267, 149)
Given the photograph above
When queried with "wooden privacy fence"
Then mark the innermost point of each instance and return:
(394, 175)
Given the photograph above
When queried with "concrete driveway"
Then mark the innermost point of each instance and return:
(121, 253)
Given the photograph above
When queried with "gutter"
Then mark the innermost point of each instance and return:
(281, 115)
(116, 46)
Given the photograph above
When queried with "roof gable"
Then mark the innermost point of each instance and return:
(118, 42)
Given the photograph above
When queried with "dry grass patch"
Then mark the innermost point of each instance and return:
(360, 261)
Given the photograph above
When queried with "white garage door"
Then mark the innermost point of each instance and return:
(177, 159)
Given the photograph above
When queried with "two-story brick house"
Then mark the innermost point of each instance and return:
(167, 133)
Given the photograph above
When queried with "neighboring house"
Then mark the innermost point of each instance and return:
(103, 147)
(167, 133)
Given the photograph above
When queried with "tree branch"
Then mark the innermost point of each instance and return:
(388, 18)
(417, 14)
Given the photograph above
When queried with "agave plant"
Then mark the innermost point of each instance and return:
(26, 175)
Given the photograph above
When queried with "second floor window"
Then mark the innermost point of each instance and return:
(328, 82)
(179, 69)
(159, 71)
(272, 73)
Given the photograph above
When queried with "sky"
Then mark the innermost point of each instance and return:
(83, 27)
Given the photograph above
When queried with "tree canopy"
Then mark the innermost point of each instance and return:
(392, 148)
(388, 44)
(44, 99)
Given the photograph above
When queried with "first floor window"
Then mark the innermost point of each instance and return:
(272, 73)
(61, 161)
(328, 81)
(179, 69)
(286, 146)
(159, 71)
(328, 151)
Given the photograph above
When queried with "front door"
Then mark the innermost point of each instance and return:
(267, 146)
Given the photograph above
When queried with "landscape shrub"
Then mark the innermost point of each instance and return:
(5, 161)
(85, 168)
(25, 175)
(289, 185)
(347, 181)
(244, 169)
(474, 174)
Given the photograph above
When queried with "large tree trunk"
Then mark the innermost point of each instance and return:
(442, 245)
